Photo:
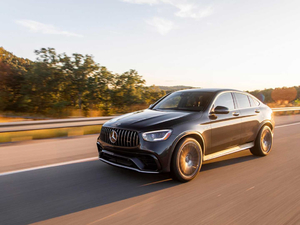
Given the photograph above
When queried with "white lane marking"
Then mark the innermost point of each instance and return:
(48, 166)
(286, 125)
(250, 188)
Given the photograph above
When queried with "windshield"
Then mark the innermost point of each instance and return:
(191, 101)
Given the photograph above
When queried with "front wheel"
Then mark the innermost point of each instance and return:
(263, 142)
(186, 160)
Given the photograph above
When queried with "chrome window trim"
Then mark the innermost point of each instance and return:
(223, 92)
(234, 100)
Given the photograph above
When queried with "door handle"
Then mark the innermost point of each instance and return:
(257, 111)
(235, 114)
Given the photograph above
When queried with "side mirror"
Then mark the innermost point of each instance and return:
(150, 106)
(221, 110)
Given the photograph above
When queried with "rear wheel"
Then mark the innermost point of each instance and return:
(186, 160)
(263, 142)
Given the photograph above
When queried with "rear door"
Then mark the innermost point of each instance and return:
(249, 113)
(225, 128)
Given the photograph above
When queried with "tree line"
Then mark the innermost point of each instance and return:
(55, 82)
(285, 96)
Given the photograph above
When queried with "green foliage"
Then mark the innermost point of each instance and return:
(12, 77)
(55, 83)
(127, 91)
(152, 94)
(297, 102)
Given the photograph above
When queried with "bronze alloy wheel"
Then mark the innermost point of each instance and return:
(263, 142)
(266, 140)
(187, 160)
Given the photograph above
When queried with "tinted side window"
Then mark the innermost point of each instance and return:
(242, 100)
(256, 103)
(225, 100)
(253, 101)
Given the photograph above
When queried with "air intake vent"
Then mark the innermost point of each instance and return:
(124, 138)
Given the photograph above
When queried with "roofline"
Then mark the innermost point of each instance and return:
(214, 90)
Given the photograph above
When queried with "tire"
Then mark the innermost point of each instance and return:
(186, 160)
(264, 142)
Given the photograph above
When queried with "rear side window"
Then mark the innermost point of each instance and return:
(225, 100)
(253, 101)
(256, 102)
(242, 100)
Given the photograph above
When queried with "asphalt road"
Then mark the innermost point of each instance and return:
(240, 189)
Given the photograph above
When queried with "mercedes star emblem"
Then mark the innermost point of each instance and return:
(113, 136)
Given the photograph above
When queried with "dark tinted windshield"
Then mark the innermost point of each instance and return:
(193, 101)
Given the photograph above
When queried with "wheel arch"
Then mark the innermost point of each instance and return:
(268, 123)
(265, 123)
(193, 134)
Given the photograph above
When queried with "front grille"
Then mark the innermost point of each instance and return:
(125, 138)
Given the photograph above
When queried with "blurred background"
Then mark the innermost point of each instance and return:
(68, 66)
(74, 59)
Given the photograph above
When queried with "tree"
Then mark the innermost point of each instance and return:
(152, 94)
(78, 70)
(44, 85)
(127, 90)
(103, 82)
(12, 76)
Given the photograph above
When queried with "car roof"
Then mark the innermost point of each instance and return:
(215, 90)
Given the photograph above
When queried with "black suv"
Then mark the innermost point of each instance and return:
(185, 128)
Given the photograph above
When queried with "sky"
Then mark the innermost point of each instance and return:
(239, 44)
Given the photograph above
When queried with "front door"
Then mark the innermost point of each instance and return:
(225, 128)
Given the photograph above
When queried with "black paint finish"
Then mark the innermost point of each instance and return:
(215, 132)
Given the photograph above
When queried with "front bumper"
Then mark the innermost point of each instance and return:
(137, 160)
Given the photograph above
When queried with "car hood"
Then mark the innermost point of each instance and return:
(151, 119)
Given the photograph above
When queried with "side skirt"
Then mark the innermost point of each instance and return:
(228, 151)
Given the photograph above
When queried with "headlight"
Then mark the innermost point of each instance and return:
(158, 135)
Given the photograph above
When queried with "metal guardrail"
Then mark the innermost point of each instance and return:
(285, 109)
(52, 124)
(78, 122)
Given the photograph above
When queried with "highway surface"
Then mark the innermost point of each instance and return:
(239, 189)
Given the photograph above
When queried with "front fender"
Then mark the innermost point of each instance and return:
(197, 135)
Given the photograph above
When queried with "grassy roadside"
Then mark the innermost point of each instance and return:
(48, 133)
